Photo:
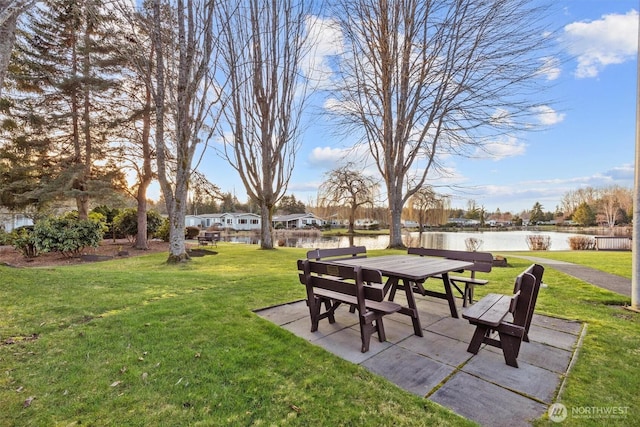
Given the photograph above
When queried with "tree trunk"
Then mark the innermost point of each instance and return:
(177, 247)
(266, 235)
(352, 220)
(142, 237)
(395, 213)
(7, 38)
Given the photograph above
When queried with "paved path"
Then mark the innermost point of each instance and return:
(620, 285)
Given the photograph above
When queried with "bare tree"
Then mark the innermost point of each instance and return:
(188, 96)
(428, 206)
(612, 202)
(264, 43)
(347, 186)
(423, 78)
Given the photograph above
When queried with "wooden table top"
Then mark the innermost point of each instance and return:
(410, 267)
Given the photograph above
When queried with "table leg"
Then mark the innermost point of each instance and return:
(411, 309)
(449, 294)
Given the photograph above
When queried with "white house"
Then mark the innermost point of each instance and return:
(9, 221)
(234, 220)
(300, 220)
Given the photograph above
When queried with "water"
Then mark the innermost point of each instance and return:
(491, 240)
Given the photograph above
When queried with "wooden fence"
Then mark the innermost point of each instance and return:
(613, 243)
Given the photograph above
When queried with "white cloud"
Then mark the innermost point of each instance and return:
(547, 115)
(500, 149)
(326, 40)
(612, 39)
(550, 68)
(327, 156)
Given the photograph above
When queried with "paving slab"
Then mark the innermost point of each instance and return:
(552, 337)
(542, 355)
(411, 371)
(285, 313)
(438, 347)
(486, 403)
(346, 344)
(459, 329)
(526, 379)
(563, 325)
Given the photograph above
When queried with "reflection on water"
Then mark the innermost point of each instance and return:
(491, 240)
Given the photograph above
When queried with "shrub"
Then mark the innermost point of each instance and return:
(191, 232)
(5, 238)
(67, 235)
(538, 242)
(23, 239)
(472, 243)
(163, 231)
(126, 222)
(581, 243)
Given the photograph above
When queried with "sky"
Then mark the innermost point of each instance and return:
(587, 138)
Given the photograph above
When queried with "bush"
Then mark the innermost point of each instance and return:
(23, 239)
(581, 243)
(538, 242)
(163, 231)
(191, 232)
(126, 222)
(67, 235)
(5, 238)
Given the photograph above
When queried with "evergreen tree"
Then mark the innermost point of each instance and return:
(64, 75)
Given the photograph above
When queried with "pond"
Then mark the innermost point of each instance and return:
(490, 240)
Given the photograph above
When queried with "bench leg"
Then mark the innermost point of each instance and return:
(316, 316)
(467, 297)
(366, 330)
(510, 348)
(478, 338)
(370, 323)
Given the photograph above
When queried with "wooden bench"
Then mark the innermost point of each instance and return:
(329, 285)
(209, 237)
(338, 253)
(509, 316)
(482, 262)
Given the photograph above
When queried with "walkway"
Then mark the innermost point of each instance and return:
(620, 285)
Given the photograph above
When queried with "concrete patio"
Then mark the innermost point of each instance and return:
(437, 366)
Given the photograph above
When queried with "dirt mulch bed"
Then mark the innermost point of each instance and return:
(107, 250)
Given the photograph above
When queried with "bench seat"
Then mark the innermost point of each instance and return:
(509, 316)
(387, 307)
(330, 285)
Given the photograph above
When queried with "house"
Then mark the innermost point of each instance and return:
(365, 223)
(9, 221)
(300, 220)
(233, 220)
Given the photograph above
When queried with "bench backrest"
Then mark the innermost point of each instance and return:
(536, 271)
(338, 253)
(482, 261)
(521, 300)
(212, 235)
(350, 280)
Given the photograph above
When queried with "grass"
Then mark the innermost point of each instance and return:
(138, 342)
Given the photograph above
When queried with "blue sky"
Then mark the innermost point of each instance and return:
(588, 138)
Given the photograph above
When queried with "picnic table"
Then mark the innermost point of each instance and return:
(408, 271)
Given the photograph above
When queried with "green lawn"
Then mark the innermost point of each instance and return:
(138, 342)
